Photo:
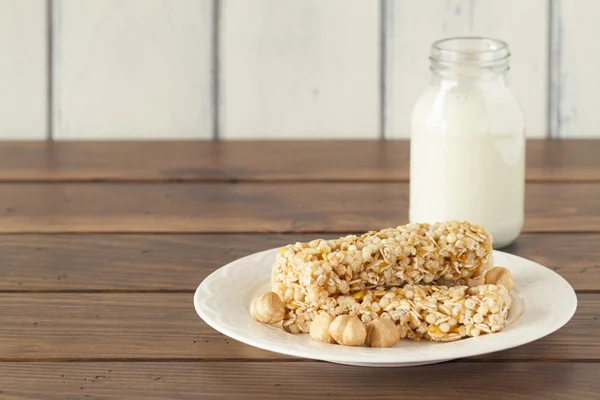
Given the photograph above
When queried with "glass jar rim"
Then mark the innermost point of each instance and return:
(469, 50)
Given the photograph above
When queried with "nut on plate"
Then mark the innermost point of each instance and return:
(268, 308)
(319, 328)
(348, 330)
(499, 276)
(472, 282)
(382, 333)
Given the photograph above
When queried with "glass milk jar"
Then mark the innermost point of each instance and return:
(468, 141)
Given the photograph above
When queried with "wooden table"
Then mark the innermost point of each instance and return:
(103, 245)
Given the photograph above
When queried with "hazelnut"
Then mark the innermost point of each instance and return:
(471, 282)
(267, 308)
(499, 276)
(382, 333)
(319, 328)
(348, 330)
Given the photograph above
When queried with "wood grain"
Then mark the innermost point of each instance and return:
(147, 326)
(286, 380)
(180, 262)
(85, 338)
(576, 257)
(247, 207)
(566, 160)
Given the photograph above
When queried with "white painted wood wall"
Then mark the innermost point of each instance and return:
(274, 69)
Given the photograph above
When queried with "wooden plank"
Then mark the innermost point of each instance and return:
(415, 25)
(206, 161)
(147, 326)
(181, 262)
(547, 160)
(566, 160)
(191, 381)
(574, 112)
(247, 207)
(574, 256)
(300, 69)
(132, 69)
(24, 82)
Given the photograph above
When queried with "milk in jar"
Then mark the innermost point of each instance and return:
(467, 141)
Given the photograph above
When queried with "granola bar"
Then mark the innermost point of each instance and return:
(429, 312)
(310, 273)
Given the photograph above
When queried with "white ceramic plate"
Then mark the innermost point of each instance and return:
(542, 303)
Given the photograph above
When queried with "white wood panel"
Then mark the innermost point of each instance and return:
(576, 82)
(416, 24)
(300, 69)
(23, 76)
(132, 69)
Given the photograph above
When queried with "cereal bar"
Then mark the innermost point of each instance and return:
(430, 312)
(309, 273)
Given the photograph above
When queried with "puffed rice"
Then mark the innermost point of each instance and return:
(447, 253)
